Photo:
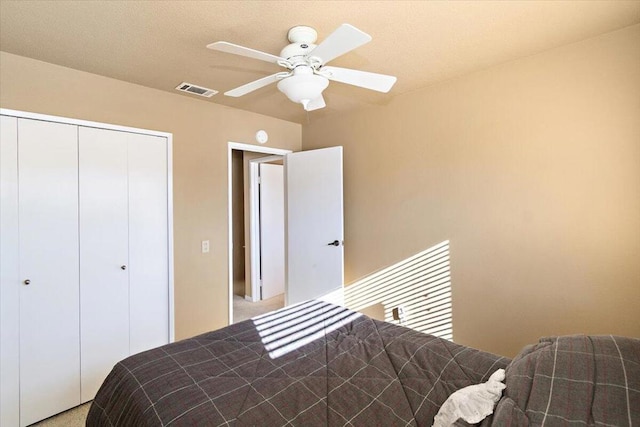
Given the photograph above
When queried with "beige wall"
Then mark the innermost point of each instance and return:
(201, 131)
(531, 169)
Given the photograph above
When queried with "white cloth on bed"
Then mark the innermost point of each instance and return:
(473, 403)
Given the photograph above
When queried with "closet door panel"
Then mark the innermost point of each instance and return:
(148, 242)
(9, 274)
(48, 230)
(104, 264)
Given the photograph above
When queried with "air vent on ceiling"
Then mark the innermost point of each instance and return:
(196, 90)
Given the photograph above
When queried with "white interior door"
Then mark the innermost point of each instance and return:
(104, 278)
(271, 229)
(314, 221)
(148, 242)
(48, 230)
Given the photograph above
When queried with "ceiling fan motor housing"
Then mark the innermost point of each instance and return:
(294, 50)
(302, 40)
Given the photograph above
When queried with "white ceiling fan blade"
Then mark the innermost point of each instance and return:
(254, 85)
(344, 39)
(244, 51)
(315, 104)
(373, 81)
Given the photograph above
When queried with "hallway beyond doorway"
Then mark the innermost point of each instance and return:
(243, 309)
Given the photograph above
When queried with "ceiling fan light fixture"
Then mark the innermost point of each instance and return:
(304, 86)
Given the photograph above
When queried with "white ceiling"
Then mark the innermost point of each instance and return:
(160, 44)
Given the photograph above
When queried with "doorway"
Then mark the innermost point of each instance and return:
(243, 302)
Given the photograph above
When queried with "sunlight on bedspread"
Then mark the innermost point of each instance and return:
(285, 330)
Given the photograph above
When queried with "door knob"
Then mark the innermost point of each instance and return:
(123, 267)
(26, 282)
(334, 243)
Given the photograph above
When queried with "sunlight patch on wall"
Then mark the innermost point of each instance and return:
(420, 285)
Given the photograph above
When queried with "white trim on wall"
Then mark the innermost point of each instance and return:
(241, 147)
(172, 328)
(78, 122)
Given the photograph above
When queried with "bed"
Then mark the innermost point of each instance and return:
(317, 364)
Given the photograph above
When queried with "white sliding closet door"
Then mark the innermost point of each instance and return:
(148, 242)
(86, 275)
(104, 260)
(48, 229)
(9, 274)
(123, 249)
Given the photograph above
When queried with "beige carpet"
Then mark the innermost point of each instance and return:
(243, 309)
(75, 417)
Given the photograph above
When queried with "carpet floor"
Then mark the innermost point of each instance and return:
(74, 417)
(243, 309)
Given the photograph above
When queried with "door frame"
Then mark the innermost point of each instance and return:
(240, 147)
(254, 220)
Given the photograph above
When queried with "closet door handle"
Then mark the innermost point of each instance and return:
(123, 267)
(26, 282)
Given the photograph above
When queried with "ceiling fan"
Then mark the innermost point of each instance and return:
(308, 75)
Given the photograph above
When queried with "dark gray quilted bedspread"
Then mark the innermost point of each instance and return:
(573, 380)
(349, 370)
